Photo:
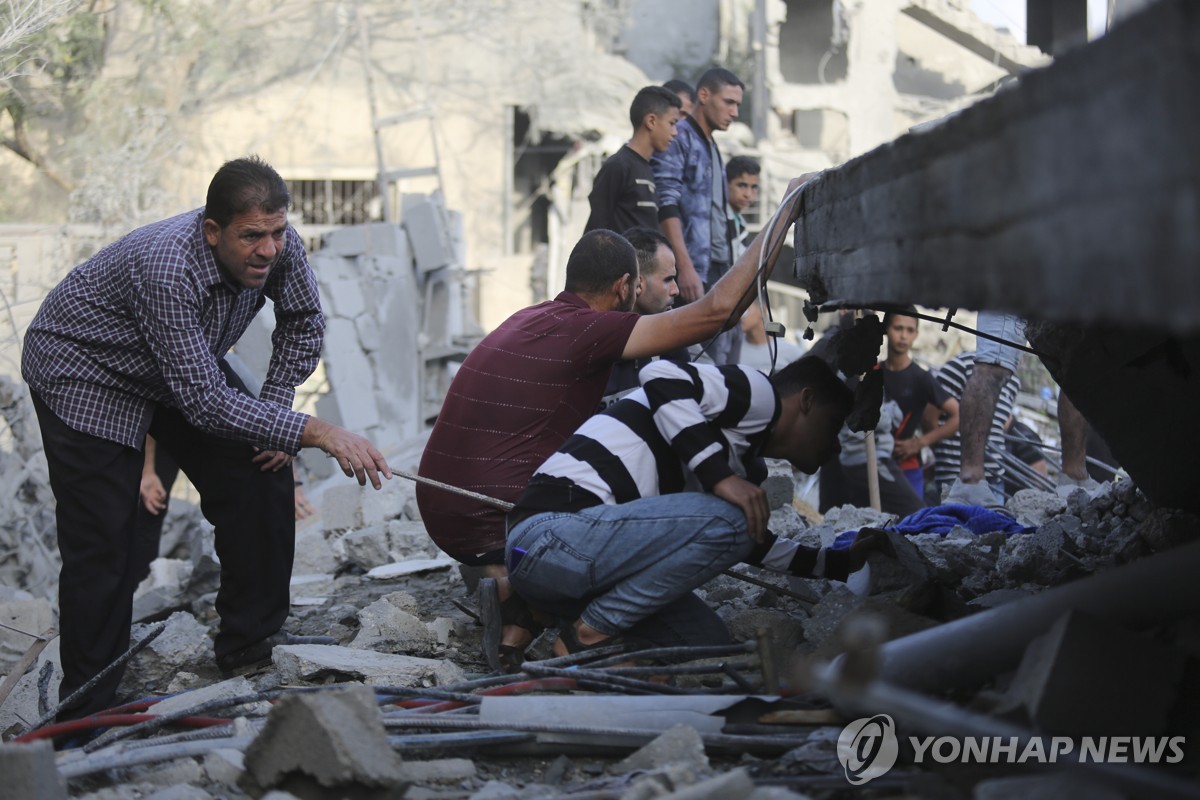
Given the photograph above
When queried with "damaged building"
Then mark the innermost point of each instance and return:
(433, 213)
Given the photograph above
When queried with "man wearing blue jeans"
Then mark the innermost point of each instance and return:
(659, 494)
(994, 364)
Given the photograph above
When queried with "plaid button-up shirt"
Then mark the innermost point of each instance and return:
(144, 322)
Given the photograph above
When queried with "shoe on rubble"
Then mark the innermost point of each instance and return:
(257, 655)
(1068, 485)
(973, 494)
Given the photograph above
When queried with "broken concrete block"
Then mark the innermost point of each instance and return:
(385, 504)
(345, 297)
(30, 773)
(234, 687)
(735, 783)
(341, 507)
(680, 744)
(183, 644)
(32, 615)
(1090, 677)
(22, 707)
(303, 663)
(787, 523)
(180, 772)
(411, 567)
(224, 766)
(1033, 506)
(779, 486)
(180, 792)
(447, 629)
(440, 770)
(369, 547)
(785, 629)
(314, 554)
(332, 740)
(496, 790)
(386, 626)
(161, 591)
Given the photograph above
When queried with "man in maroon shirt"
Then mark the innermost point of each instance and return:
(530, 383)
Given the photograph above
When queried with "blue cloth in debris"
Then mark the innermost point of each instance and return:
(942, 520)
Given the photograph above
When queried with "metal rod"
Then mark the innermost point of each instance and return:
(808, 602)
(766, 657)
(87, 687)
(642, 735)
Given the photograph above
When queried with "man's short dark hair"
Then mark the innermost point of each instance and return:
(598, 260)
(652, 100)
(716, 78)
(245, 184)
(907, 311)
(646, 242)
(741, 165)
(814, 373)
(681, 87)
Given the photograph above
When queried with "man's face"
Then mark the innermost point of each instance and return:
(247, 248)
(658, 287)
(743, 191)
(663, 129)
(687, 104)
(814, 439)
(901, 333)
(720, 108)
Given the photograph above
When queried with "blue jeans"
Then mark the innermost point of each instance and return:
(1009, 327)
(631, 568)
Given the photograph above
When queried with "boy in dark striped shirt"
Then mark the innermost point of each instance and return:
(660, 493)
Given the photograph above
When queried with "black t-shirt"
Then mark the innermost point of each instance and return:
(622, 194)
(912, 388)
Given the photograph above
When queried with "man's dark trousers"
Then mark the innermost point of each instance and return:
(96, 482)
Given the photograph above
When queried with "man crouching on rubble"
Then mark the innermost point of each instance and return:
(658, 494)
(128, 344)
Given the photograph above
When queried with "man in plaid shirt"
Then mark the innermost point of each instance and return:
(127, 345)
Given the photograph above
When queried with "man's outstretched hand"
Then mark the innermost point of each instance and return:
(354, 454)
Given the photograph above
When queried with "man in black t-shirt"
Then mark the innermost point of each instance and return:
(622, 195)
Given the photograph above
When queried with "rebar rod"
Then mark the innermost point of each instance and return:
(82, 690)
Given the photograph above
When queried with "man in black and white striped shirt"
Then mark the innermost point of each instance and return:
(659, 493)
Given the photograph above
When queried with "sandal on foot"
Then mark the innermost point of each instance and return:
(491, 619)
(495, 615)
(567, 635)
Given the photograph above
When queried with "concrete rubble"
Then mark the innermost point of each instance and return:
(311, 720)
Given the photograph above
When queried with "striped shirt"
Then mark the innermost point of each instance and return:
(952, 376)
(144, 322)
(687, 428)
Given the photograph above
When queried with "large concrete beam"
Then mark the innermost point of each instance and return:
(1073, 196)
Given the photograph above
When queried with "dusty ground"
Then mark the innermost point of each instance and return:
(427, 617)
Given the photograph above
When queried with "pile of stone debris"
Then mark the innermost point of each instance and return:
(402, 706)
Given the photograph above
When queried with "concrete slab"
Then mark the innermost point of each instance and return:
(1074, 196)
(29, 772)
(333, 739)
(305, 663)
(680, 744)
